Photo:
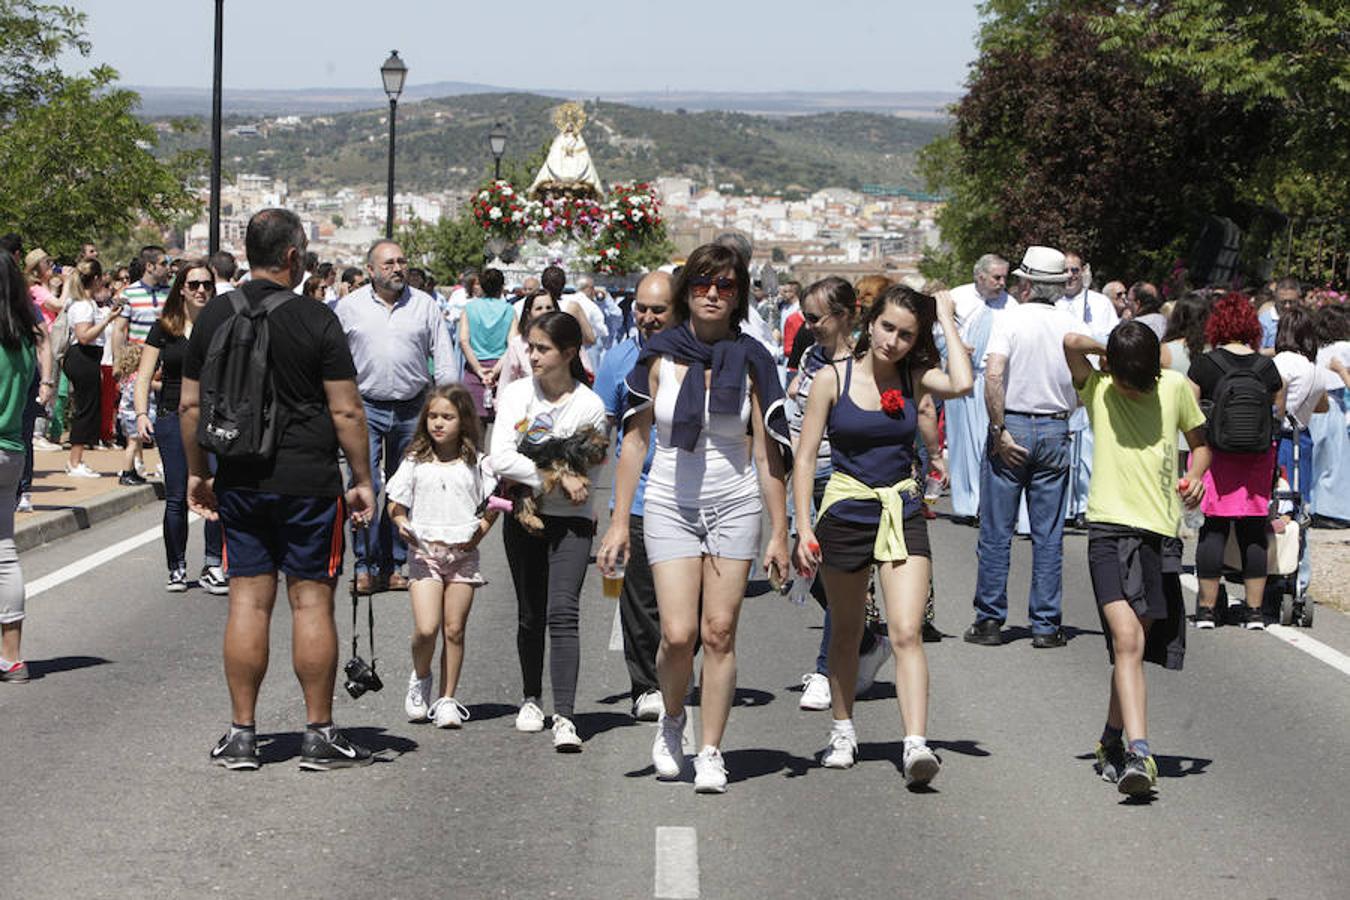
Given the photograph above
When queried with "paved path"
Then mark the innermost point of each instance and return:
(107, 792)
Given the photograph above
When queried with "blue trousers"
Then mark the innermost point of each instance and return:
(391, 424)
(169, 440)
(1043, 479)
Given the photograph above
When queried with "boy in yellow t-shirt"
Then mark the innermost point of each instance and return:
(1133, 553)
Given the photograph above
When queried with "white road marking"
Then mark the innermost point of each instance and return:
(616, 632)
(676, 863)
(94, 560)
(1294, 637)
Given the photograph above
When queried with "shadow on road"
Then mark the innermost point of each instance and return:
(284, 745)
(1023, 633)
(483, 712)
(595, 723)
(742, 765)
(1171, 766)
(41, 668)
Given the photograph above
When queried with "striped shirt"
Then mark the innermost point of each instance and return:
(142, 309)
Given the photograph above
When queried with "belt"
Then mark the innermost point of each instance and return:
(1051, 415)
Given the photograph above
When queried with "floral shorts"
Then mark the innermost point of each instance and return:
(446, 566)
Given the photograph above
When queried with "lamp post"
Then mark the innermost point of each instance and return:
(394, 73)
(213, 214)
(497, 143)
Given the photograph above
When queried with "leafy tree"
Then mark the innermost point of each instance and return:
(78, 164)
(446, 248)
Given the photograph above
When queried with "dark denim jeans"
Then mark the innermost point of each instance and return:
(169, 440)
(1044, 478)
(391, 425)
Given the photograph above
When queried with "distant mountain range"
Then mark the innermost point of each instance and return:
(442, 144)
(192, 101)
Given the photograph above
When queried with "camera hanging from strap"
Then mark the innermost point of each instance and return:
(362, 534)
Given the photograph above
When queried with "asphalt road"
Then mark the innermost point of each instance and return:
(106, 791)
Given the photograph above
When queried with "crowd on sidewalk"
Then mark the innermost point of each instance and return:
(292, 400)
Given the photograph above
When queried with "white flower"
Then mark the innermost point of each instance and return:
(507, 192)
(482, 195)
(495, 213)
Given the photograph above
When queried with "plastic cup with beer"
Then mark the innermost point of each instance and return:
(612, 584)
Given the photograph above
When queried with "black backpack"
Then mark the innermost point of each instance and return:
(1239, 413)
(240, 419)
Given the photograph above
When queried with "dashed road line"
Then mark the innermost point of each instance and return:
(676, 863)
(616, 632)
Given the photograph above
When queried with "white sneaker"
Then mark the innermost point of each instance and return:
(447, 712)
(418, 699)
(710, 773)
(871, 662)
(648, 706)
(920, 764)
(1255, 624)
(668, 746)
(815, 692)
(565, 737)
(25, 503)
(42, 444)
(530, 718)
(82, 471)
(841, 752)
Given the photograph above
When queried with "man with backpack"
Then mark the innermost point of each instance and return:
(269, 387)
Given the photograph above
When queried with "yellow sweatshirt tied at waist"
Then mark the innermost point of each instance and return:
(890, 545)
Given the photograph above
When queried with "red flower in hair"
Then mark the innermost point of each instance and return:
(892, 402)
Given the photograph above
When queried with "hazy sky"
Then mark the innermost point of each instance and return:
(587, 45)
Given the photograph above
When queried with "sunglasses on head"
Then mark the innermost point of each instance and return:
(199, 285)
(701, 283)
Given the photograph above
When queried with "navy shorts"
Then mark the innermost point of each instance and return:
(265, 532)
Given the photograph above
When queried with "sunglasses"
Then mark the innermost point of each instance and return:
(1074, 270)
(701, 284)
(199, 285)
(815, 318)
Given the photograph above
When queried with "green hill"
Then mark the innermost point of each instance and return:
(442, 144)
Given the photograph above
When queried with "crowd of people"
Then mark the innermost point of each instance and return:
(716, 393)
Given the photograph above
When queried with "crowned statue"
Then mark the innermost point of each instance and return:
(568, 171)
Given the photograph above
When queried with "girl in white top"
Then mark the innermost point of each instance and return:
(434, 500)
(702, 506)
(548, 569)
(82, 365)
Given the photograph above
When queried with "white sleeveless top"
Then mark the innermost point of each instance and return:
(717, 470)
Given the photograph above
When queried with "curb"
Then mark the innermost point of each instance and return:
(70, 519)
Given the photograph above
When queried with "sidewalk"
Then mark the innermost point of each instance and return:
(63, 505)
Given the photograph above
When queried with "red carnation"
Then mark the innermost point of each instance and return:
(892, 402)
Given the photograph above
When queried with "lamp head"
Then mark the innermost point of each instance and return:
(394, 72)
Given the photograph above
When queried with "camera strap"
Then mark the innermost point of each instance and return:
(362, 535)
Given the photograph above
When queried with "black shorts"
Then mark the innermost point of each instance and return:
(265, 532)
(849, 546)
(1144, 570)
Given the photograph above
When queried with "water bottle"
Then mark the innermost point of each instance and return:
(801, 588)
(1191, 517)
(932, 487)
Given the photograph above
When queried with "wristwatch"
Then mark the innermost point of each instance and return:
(996, 430)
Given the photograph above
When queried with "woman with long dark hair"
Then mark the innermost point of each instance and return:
(164, 351)
(705, 385)
(19, 340)
(870, 513)
(549, 567)
(83, 362)
(515, 363)
(1184, 338)
(1237, 485)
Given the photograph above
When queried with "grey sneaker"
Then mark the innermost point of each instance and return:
(1110, 760)
(17, 673)
(237, 751)
(327, 748)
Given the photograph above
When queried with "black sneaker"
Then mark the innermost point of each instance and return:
(213, 581)
(1110, 760)
(1139, 776)
(130, 479)
(984, 631)
(325, 749)
(1049, 640)
(237, 752)
(931, 634)
(1204, 617)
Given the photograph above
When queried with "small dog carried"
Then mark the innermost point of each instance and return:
(554, 457)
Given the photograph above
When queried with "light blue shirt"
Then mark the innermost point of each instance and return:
(391, 344)
(612, 386)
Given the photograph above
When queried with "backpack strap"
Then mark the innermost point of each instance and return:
(277, 299)
(1222, 363)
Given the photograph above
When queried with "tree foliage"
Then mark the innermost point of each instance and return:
(445, 248)
(78, 165)
(1118, 128)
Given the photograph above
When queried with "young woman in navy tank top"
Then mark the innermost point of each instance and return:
(871, 512)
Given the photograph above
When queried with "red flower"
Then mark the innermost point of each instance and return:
(892, 402)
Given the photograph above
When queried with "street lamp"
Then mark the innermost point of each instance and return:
(394, 73)
(213, 214)
(497, 143)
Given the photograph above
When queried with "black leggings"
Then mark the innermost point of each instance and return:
(548, 571)
(82, 368)
(1251, 541)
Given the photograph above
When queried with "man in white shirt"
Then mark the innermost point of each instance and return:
(596, 317)
(1098, 315)
(978, 305)
(1029, 394)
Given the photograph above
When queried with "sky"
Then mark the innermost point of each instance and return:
(591, 46)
